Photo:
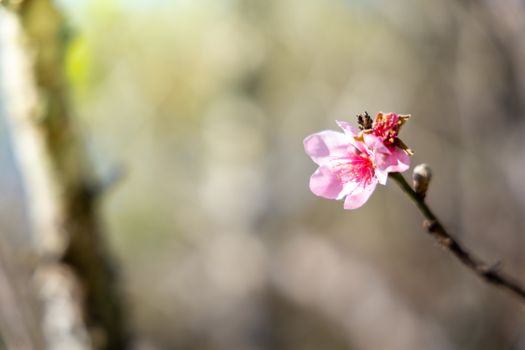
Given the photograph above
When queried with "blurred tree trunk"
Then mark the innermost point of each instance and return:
(75, 280)
(18, 322)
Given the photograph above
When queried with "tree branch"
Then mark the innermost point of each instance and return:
(489, 273)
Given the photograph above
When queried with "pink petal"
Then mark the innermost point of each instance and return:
(381, 176)
(375, 143)
(348, 188)
(398, 161)
(348, 128)
(359, 196)
(325, 184)
(326, 145)
(352, 133)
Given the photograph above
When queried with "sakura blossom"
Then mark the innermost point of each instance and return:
(352, 163)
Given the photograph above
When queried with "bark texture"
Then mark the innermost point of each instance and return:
(75, 277)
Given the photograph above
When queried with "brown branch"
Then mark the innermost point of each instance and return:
(489, 273)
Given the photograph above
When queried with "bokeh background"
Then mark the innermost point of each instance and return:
(221, 246)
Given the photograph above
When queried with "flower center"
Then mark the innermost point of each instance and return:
(387, 127)
(355, 168)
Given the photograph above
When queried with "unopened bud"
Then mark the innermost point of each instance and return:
(421, 179)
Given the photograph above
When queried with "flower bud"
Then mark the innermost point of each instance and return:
(421, 179)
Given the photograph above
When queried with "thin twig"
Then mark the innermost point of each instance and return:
(490, 273)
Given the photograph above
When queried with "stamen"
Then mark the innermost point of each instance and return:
(356, 168)
(387, 127)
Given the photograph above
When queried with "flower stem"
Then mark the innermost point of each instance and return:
(489, 273)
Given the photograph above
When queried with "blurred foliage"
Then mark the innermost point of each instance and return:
(78, 64)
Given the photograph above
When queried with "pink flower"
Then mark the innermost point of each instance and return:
(387, 127)
(347, 168)
(351, 164)
(382, 138)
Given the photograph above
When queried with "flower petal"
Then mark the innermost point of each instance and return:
(348, 128)
(381, 176)
(375, 143)
(398, 161)
(359, 196)
(348, 188)
(324, 183)
(326, 145)
(355, 135)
